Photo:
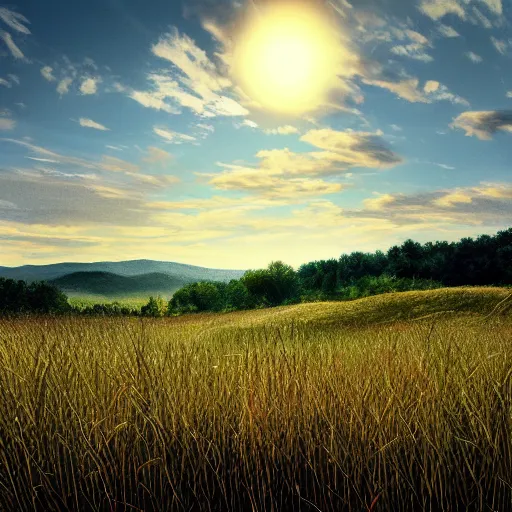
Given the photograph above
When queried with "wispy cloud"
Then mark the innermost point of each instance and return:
(89, 123)
(172, 136)
(94, 169)
(473, 57)
(15, 20)
(15, 51)
(45, 160)
(193, 83)
(502, 45)
(282, 130)
(416, 51)
(447, 31)
(466, 10)
(46, 72)
(487, 204)
(247, 122)
(153, 100)
(63, 86)
(157, 156)
(437, 9)
(408, 89)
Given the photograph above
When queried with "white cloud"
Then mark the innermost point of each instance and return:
(414, 51)
(378, 203)
(46, 71)
(249, 123)
(63, 86)
(89, 86)
(12, 79)
(282, 130)
(494, 6)
(409, 90)
(485, 204)
(115, 148)
(269, 185)
(172, 136)
(45, 160)
(431, 86)
(153, 100)
(15, 51)
(473, 57)
(442, 93)
(502, 46)
(89, 123)
(15, 20)
(205, 127)
(445, 166)
(447, 31)
(479, 18)
(195, 82)
(437, 9)
(406, 89)
(483, 124)
(281, 173)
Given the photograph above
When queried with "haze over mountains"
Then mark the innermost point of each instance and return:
(117, 279)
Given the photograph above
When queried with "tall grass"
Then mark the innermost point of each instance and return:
(193, 415)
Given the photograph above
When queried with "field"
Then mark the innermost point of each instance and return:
(134, 302)
(400, 402)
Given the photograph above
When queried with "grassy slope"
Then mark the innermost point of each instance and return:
(383, 308)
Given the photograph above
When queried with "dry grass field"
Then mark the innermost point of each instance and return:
(400, 402)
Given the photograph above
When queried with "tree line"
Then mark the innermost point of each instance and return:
(486, 260)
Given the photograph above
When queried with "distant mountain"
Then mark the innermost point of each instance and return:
(179, 271)
(112, 285)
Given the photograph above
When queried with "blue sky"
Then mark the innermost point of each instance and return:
(177, 131)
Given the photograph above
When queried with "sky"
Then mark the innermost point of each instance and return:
(230, 133)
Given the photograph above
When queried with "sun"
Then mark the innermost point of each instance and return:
(286, 57)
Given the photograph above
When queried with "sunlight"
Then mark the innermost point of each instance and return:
(286, 58)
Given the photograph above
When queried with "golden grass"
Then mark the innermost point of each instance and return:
(295, 408)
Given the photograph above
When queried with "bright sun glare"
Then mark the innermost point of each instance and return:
(285, 59)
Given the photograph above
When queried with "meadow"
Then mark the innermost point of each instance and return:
(396, 402)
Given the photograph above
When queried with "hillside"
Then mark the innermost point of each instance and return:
(385, 308)
(108, 284)
(179, 271)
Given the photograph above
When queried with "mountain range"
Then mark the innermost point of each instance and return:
(121, 278)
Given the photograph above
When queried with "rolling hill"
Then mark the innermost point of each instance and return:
(107, 284)
(477, 302)
(180, 271)
(119, 279)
